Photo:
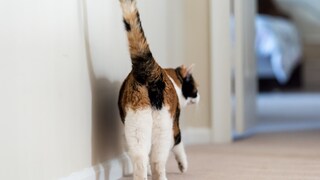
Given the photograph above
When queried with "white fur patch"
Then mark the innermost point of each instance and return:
(182, 101)
(138, 132)
(162, 142)
(195, 100)
(147, 132)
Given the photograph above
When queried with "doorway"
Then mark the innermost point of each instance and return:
(288, 65)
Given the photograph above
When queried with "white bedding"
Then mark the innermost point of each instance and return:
(278, 47)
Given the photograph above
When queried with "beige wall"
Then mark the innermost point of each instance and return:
(50, 107)
(197, 51)
(188, 43)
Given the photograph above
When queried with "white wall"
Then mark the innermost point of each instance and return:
(45, 93)
(46, 110)
(108, 41)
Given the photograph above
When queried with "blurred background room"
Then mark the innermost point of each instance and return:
(257, 63)
(288, 62)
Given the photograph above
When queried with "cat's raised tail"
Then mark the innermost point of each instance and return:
(144, 67)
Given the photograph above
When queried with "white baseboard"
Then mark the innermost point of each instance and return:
(115, 169)
(111, 170)
(191, 136)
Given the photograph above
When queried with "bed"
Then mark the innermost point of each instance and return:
(278, 49)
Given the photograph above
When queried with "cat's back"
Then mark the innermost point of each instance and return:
(135, 96)
(132, 95)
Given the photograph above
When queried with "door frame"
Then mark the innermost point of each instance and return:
(226, 61)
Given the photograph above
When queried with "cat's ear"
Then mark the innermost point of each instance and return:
(190, 69)
(187, 71)
(183, 67)
(183, 70)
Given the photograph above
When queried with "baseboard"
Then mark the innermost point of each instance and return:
(110, 170)
(115, 169)
(191, 136)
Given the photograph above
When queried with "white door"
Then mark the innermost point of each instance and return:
(245, 65)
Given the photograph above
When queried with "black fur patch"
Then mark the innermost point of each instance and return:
(142, 67)
(139, 22)
(143, 57)
(155, 92)
(127, 25)
(189, 88)
(121, 111)
(177, 138)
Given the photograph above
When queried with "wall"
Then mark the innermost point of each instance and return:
(45, 116)
(61, 66)
(197, 40)
(188, 43)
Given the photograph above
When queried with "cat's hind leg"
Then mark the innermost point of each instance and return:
(161, 143)
(178, 148)
(180, 156)
(138, 132)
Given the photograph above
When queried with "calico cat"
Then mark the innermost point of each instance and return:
(149, 103)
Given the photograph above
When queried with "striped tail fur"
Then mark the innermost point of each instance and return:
(144, 67)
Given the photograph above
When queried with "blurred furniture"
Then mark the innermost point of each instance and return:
(278, 49)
